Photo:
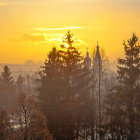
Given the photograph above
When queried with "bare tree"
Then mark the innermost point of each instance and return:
(26, 122)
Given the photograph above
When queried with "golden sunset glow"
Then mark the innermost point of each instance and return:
(30, 28)
(66, 45)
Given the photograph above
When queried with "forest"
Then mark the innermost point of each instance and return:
(74, 98)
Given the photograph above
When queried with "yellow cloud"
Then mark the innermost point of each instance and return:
(57, 28)
(33, 38)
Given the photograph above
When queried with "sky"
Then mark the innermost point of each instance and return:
(30, 28)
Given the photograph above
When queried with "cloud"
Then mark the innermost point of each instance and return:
(39, 38)
(57, 28)
(33, 38)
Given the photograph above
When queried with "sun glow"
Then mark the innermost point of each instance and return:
(66, 45)
(88, 21)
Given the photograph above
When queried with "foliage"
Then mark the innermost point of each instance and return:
(123, 101)
(7, 88)
(26, 122)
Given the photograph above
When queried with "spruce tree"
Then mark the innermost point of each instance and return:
(56, 88)
(72, 64)
(129, 76)
(51, 92)
(7, 88)
(69, 53)
(115, 114)
(6, 77)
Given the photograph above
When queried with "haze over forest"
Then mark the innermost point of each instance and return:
(70, 70)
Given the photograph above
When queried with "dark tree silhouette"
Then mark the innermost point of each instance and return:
(123, 101)
(56, 90)
(7, 88)
(129, 74)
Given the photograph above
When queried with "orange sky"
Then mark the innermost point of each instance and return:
(29, 28)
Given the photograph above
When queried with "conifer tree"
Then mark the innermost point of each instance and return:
(123, 101)
(51, 91)
(115, 114)
(6, 77)
(55, 90)
(72, 64)
(7, 88)
(70, 53)
(129, 76)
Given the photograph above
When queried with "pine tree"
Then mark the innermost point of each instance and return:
(121, 106)
(56, 89)
(129, 76)
(6, 78)
(7, 88)
(115, 114)
(70, 53)
(51, 91)
(72, 64)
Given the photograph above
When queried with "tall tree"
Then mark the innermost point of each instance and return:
(6, 78)
(72, 63)
(56, 88)
(70, 53)
(115, 114)
(129, 75)
(51, 93)
(122, 103)
(7, 89)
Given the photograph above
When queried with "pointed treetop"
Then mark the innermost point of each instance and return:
(97, 45)
(87, 52)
